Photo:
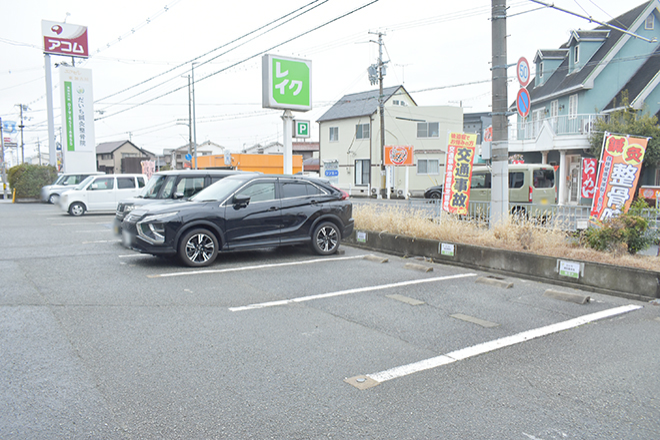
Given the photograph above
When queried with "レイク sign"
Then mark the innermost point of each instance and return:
(65, 39)
(286, 83)
(620, 167)
(458, 172)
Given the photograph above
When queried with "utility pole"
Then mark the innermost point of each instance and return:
(21, 127)
(3, 166)
(193, 114)
(381, 108)
(499, 207)
(189, 118)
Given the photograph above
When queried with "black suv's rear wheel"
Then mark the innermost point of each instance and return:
(326, 238)
(198, 248)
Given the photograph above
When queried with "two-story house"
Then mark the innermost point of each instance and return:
(350, 142)
(585, 79)
(111, 157)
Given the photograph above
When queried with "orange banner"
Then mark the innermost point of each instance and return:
(618, 173)
(399, 155)
(458, 172)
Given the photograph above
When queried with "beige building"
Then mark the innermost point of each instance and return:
(350, 146)
(120, 157)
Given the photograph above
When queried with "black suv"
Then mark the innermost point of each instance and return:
(170, 185)
(243, 212)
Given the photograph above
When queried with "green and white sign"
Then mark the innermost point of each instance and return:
(446, 249)
(301, 129)
(286, 83)
(570, 269)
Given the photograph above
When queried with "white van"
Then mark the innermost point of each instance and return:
(51, 193)
(101, 193)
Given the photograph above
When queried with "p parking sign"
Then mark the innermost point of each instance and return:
(286, 83)
(301, 129)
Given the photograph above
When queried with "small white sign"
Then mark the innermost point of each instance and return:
(569, 269)
(447, 249)
(361, 237)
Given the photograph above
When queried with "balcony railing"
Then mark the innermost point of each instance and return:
(562, 126)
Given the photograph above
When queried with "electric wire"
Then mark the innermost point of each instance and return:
(209, 52)
(249, 58)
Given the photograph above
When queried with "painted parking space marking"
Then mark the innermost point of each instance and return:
(346, 292)
(101, 241)
(474, 320)
(259, 266)
(135, 255)
(475, 350)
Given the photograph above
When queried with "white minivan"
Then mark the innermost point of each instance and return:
(101, 193)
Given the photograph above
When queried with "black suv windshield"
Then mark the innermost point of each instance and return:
(153, 187)
(220, 190)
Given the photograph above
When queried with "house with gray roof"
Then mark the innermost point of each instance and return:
(113, 157)
(350, 152)
(582, 81)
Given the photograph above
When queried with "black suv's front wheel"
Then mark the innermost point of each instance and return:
(326, 238)
(198, 248)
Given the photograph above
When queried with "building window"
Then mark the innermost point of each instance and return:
(362, 168)
(576, 54)
(362, 131)
(334, 134)
(428, 167)
(554, 108)
(428, 129)
(649, 24)
(572, 106)
(399, 102)
(540, 69)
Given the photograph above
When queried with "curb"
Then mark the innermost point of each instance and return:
(626, 282)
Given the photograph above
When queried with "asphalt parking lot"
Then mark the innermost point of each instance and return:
(97, 341)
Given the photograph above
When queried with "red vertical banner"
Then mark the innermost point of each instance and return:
(589, 168)
(618, 173)
(458, 172)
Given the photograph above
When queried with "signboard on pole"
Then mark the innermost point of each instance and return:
(301, 129)
(65, 39)
(399, 155)
(331, 171)
(618, 173)
(286, 83)
(458, 172)
(79, 144)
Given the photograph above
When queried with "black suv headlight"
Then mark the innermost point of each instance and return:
(152, 227)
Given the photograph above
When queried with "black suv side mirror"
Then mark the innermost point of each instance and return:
(240, 201)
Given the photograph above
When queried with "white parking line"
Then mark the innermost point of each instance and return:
(465, 353)
(346, 292)
(101, 241)
(260, 266)
(135, 255)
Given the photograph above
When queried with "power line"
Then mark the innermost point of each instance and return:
(211, 51)
(248, 58)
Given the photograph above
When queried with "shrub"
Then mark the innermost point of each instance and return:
(628, 231)
(28, 179)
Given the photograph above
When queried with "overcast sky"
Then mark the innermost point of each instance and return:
(435, 48)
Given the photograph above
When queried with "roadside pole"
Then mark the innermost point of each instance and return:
(52, 147)
(287, 119)
(3, 166)
(499, 207)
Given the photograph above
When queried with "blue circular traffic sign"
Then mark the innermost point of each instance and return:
(523, 102)
(188, 156)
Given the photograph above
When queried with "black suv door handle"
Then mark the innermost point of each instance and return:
(272, 208)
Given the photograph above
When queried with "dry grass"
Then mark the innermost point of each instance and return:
(514, 235)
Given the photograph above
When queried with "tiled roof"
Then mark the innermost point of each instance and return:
(561, 81)
(358, 104)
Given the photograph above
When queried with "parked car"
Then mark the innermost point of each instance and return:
(169, 185)
(51, 193)
(243, 211)
(101, 193)
(433, 192)
(529, 184)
